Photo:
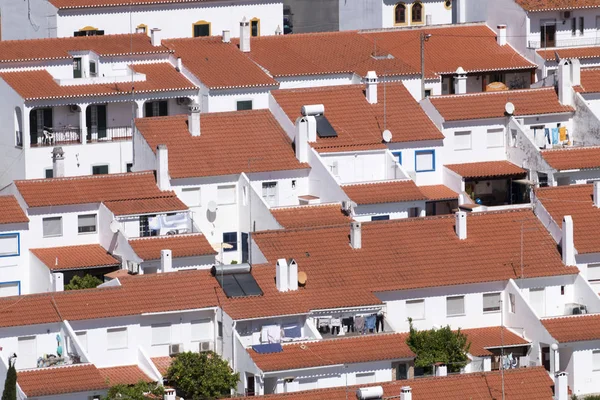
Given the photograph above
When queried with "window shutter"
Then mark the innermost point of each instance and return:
(455, 305)
(116, 338)
(202, 330)
(415, 309)
(593, 272)
(52, 226)
(491, 302)
(424, 161)
(462, 140)
(161, 334)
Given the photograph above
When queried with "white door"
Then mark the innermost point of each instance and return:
(9, 289)
(27, 352)
(537, 301)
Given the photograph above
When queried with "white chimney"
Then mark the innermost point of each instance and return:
(501, 38)
(169, 394)
(278, 31)
(306, 132)
(58, 284)
(282, 276)
(226, 36)
(156, 37)
(561, 389)
(244, 35)
(194, 119)
(355, 235)
(565, 90)
(405, 393)
(460, 81)
(58, 162)
(293, 275)
(596, 194)
(371, 80)
(460, 224)
(162, 167)
(441, 370)
(567, 244)
(428, 19)
(179, 64)
(575, 72)
(166, 260)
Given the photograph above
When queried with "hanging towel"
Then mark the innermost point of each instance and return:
(554, 135)
(562, 133)
(270, 334)
(540, 139)
(547, 135)
(370, 322)
(359, 323)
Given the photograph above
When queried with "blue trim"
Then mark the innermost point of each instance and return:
(18, 244)
(9, 282)
(398, 155)
(432, 152)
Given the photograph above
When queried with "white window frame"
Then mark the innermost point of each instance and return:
(14, 240)
(110, 345)
(495, 131)
(269, 192)
(161, 334)
(226, 200)
(58, 218)
(458, 314)
(463, 140)
(409, 308)
(497, 308)
(95, 223)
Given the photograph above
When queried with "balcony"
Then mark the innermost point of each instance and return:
(68, 135)
(112, 134)
(576, 42)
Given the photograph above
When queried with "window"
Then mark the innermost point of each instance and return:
(201, 28)
(398, 156)
(129, 167)
(428, 92)
(491, 302)
(99, 169)
(425, 161)
(455, 305)
(141, 28)
(49, 173)
(581, 26)
(512, 302)
(417, 13)
(156, 108)
(10, 289)
(202, 330)
(77, 71)
(116, 338)
(495, 138)
(52, 226)
(255, 27)
(365, 378)
(161, 334)
(413, 212)
(93, 69)
(400, 14)
(380, 218)
(226, 194)
(462, 140)
(220, 329)
(230, 238)
(82, 338)
(415, 309)
(269, 193)
(86, 223)
(191, 196)
(244, 105)
(593, 272)
(9, 245)
(145, 230)
(574, 26)
(596, 360)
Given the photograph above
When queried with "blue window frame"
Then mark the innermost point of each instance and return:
(230, 238)
(6, 236)
(12, 282)
(424, 168)
(398, 155)
(380, 218)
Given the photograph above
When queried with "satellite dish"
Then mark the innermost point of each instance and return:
(212, 206)
(387, 136)
(114, 226)
(509, 108)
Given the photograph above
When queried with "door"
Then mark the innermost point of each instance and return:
(27, 352)
(95, 121)
(156, 109)
(245, 245)
(250, 385)
(39, 119)
(548, 35)
(537, 301)
(77, 67)
(546, 358)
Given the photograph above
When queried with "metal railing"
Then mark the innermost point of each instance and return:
(109, 134)
(576, 42)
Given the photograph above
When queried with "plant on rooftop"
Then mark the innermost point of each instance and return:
(87, 282)
(443, 346)
(204, 375)
(140, 391)
(10, 384)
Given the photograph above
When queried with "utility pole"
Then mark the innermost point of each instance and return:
(424, 37)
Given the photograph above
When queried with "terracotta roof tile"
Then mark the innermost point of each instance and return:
(438, 192)
(124, 375)
(75, 257)
(483, 338)
(492, 104)
(88, 189)
(181, 246)
(572, 52)
(590, 80)
(547, 5)
(72, 4)
(162, 364)
(486, 169)
(248, 135)
(359, 124)
(60, 380)
(574, 328)
(573, 158)
(576, 201)
(40, 85)
(335, 351)
(167, 202)
(12, 213)
(384, 192)
(304, 216)
(241, 72)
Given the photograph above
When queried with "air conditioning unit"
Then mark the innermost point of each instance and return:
(73, 108)
(565, 14)
(133, 267)
(175, 349)
(206, 346)
(183, 101)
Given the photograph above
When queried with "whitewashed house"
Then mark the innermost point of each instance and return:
(14, 235)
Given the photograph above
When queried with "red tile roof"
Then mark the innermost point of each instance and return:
(61, 380)
(573, 158)
(438, 192)
(384, 192)
(72, 4)
(12, 213)
(576, 328)
(241, 72)
(60, 48)
(88, 189)
(124, 375)
(548, 5)
(181, 246)
(162, 364)
(482, 339)
(492, 104)
(305, 216)
(486, 169)
(359, 125)
(249, 135)
(167, 202)
(335, 351)
(572, 52)
(590, 80)
(40, 85)
(75, 257)
(576, 201)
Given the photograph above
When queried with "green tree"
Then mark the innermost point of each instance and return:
(87, 282)
(200, 376)
(439, 346)
(135, 392)
(10, 384)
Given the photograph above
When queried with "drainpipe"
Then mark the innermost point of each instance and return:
(233, 350)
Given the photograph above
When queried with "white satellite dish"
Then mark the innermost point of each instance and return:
(212, 206)
(114, 226)
(387, 136)
(509, 108)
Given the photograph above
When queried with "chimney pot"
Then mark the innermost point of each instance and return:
(405, 393)
(306, 132)
(561, 388)
(371, 81)
(226, 36)
(278, 31)
(194, 119)
(245, 35)
(58, 162)
(567, 243)
(282, 275)
(596, 194)
(441, 370)
(460, 224)
(166, 260)
(292, 275)
(162, 167)
(501, 37)
(355, 235)
(565, 89)
(156, 37)
(460, 81)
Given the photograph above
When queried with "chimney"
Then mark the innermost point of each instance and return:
(282, 276)
(441, 370)
(245, 35)
(405, 393)
(194, 119)
(58, 284)
(460, 224)
(567, 244)
(169, 394)
(575, 72)
(565, 90)
(306, 132)
(371, 80)
(166, 260)
(156, 37)
(226, 36)
(292, 275)
(179, 64)
(561, 390)
(596, 194)
(355, 235)
(58, 162)
(460, 81)
(501, 37)
(162, 167)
